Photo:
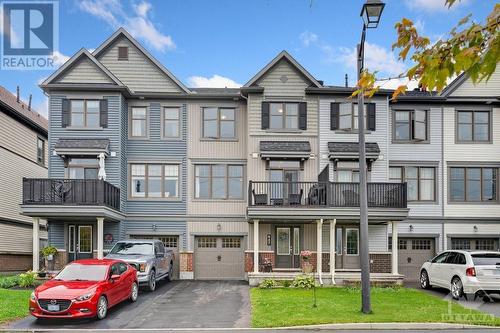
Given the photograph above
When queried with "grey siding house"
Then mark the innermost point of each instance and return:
(240, 182)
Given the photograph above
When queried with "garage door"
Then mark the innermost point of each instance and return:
(413, 252)
(170, 243)
(480, 244)
(219, 258)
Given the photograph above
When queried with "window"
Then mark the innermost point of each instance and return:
(40, 151)
(460, 244)
(284, 115)
(218, 181)
(169, 241)
(71, 239)
(473, 126)
(348, 176)
(85, 113)
(154, 180)
(420, 181)
(348, 116)
(139, 122)
(352, 244)
(410, 125)
(207, 242)
(403, 244)
(231, 242)
(171, 122)
(219, 123)
(83, 168)
(421, 244)
(441, 258)
(487, 244)
(122, 53)
(473, 184)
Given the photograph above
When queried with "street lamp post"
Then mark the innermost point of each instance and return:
(371, 13)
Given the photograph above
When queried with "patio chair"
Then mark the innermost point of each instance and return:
(295, 198)
(259, 199)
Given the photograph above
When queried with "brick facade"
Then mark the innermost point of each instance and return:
(15, 262)
(186, 261)
(380, 262)
(262, 255)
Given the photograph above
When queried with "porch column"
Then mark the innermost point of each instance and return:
(319, 251)
(395, 247)
(332, 248)
(36, 244)
(256, 246)
(100, 237)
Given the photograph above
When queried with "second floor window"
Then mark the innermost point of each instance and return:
(473, 184)
(219, 123)
(421, 181)
(473, 126)
(154, 180)
(218, 181)
(284, 116)
(40, 151)
(171, 122)
(85, 113)
(139, 123)
(410, 125)
(83, 168)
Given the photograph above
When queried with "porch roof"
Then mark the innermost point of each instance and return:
(81, 146)
(285, 149)
(340, 150)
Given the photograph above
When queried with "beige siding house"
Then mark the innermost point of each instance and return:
(23, 153)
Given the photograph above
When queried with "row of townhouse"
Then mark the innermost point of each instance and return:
(231, 177)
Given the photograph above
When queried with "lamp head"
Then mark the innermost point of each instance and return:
(371, 13)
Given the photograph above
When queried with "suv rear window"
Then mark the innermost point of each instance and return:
(486, 259)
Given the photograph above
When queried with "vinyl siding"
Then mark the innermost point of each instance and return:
(196, 228)
(145, 227)
(430, 228)
(85, 71)
(22, 242)
(57, 235)
(295, 84)
(467, 230)
(138, 72)
(491, 88)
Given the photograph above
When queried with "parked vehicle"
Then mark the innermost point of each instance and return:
(149, 257)
(475, 273)
(85, 288)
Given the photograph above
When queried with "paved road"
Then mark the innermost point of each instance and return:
(173, 305)
(492, 308)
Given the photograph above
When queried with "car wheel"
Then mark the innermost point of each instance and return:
(152, 280)
(102, 308)
(424, 280)
(170, 272)
(457, 288)
(134, 292)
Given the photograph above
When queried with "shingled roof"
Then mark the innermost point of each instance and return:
(289, 146)
(20, 110)
(351, 149)
(82, 144)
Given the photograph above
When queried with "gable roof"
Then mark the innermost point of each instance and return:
(454, 84)
(73, 61)
(20, 111)
(121, 32)
(283, 55)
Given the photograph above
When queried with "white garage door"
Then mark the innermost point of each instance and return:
(219, 258)
(170, 243)
(413, 252)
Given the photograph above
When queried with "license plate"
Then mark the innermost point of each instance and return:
(53, 307)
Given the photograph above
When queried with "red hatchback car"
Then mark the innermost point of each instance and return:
(85, 288)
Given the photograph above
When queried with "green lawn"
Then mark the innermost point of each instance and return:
(292, 307)
(13, 304)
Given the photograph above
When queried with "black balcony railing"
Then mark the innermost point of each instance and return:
(324, 194)
(79, 192)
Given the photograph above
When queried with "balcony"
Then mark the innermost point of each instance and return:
(324, 195)
(70, 192)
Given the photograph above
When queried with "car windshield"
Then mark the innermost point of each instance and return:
(132, 248)
(483, 259)
(79, 272)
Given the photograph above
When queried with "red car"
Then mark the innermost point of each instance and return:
(85, 288)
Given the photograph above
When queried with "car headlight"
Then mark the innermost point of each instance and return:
(32, 296)
(142, 267)
(85, 297)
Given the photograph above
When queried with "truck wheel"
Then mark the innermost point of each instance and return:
(170, 272)
(152, 281)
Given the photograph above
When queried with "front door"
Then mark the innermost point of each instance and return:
(80, 242)
(288, 247)
(347, 247)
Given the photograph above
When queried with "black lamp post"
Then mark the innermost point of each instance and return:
(371, 13)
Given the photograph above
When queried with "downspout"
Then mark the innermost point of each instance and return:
(319, 253)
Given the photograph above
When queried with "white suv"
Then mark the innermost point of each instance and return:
(475, 273)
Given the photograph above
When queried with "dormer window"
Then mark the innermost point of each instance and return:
(122, 53)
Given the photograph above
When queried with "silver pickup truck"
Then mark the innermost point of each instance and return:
(149, 257)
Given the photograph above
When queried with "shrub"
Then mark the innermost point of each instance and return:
(27, 279)
(9, 281)
(286, 283)
(304, 282)
(48, 250)
(268, 283)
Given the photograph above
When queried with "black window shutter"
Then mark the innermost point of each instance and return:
(303, 115)
(265, 115)
(103, 112)
(334, 116)
(66, 112)
(370, 109)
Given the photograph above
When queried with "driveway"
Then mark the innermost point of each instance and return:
(178, 304)
(492, 308)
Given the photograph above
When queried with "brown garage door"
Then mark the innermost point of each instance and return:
(413, 252)
(219, 258)
(170, 243)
